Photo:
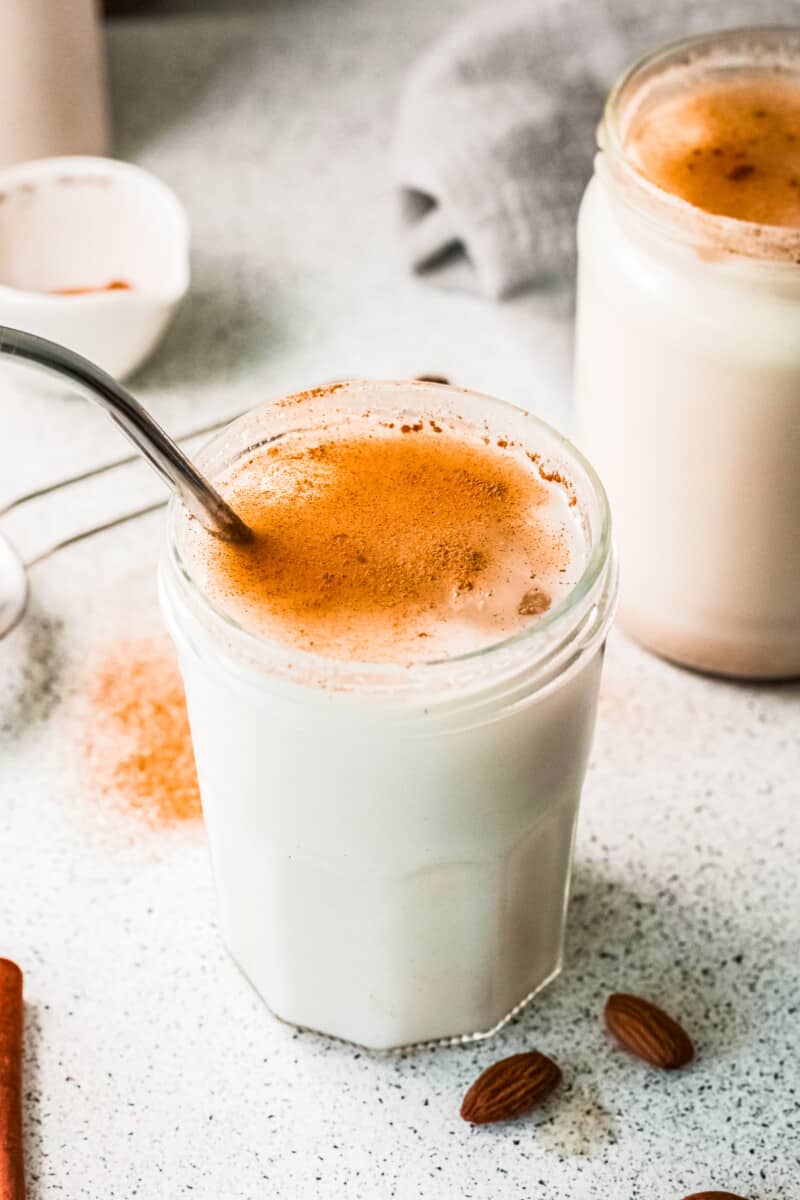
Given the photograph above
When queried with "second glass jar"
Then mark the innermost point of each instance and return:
(688, 392)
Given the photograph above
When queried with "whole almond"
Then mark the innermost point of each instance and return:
(648, 1032)
(714, 1196)
(511, 1088)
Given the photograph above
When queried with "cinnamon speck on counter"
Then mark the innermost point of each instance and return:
(137, 748)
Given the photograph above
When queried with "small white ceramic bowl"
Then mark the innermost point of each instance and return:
(87, 223)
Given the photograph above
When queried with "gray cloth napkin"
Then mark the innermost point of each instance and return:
(496, 128)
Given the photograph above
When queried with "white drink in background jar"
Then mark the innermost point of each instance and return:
(688, 348)
(392, 696)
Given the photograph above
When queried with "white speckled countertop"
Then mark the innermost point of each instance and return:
(152, 1069)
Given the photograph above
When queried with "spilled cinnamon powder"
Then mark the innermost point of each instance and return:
(368, 544)
(137, 746)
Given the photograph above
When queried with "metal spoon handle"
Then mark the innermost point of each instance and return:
(178, 472)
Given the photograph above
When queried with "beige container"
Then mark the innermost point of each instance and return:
(52, 80)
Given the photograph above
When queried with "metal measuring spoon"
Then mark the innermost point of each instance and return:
(180, 474)
(13, 587)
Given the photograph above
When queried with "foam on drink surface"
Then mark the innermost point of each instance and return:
(388, 542)
(729, 146)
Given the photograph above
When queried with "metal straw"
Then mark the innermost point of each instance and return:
(178, 472)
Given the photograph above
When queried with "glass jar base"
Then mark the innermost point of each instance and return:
(458, 1039)
(734, 659)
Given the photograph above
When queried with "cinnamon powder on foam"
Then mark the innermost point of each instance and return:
(378, 539)
(730, 147)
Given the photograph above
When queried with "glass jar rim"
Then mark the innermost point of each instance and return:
(548, 632)
(663, 209)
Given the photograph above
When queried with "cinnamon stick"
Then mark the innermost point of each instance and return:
(12, 1169)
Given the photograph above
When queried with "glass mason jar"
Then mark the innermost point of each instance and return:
(688, 389)
(392, 843)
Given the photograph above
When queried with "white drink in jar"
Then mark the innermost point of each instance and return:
(392, 697)
(688, 348)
